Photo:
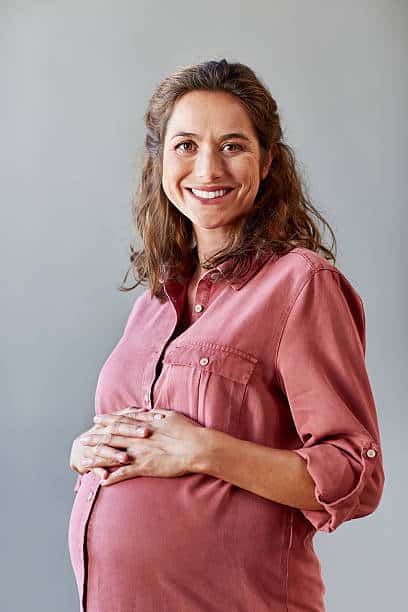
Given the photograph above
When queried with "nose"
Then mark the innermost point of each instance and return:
(208, 164)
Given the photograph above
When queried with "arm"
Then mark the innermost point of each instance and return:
(320, 368)
(278, 475)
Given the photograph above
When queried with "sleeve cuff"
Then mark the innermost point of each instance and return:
(339, 479)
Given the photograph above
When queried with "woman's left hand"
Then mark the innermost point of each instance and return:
(171, 449)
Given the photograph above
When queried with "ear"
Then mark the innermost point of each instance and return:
(268, 161)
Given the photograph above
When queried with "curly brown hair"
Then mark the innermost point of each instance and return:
(282, 214)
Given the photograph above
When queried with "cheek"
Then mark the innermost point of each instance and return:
(251, 184)
(172, 175)
(167, 190)
(168, 184)
(247, 173)
(170, 189)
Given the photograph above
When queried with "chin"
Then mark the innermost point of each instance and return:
(207, 225)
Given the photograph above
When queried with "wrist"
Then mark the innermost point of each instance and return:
(205, 452)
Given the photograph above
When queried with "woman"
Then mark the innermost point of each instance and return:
(235, 416)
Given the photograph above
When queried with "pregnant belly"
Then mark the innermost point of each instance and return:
(193, 537)
(164, 518)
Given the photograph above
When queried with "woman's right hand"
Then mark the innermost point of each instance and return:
(106, 456)
(101, 456)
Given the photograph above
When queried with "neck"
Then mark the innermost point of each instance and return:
(210, 241)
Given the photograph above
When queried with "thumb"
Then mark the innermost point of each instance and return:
(100, 472)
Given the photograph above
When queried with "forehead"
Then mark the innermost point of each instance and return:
(214, 111)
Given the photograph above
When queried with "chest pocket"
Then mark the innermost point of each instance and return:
(207, 382)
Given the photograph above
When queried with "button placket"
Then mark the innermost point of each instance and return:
(91, 497)
(148, 378)
(202, 295)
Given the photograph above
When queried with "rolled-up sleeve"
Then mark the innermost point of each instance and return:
(321, 369)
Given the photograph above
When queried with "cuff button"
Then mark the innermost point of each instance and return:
(371, 453)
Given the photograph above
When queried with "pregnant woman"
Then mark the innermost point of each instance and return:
(235, 416)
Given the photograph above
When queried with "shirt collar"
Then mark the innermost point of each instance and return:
(255, 265)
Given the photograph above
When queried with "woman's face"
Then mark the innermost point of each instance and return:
(219, 149)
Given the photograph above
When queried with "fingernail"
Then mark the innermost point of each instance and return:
(120, 458)
(140, 430)
(85, 439)
(86, 461)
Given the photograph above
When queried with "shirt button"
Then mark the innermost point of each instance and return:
(198, 307)
(371, 452)
(147, 398)
(204, 361)
(90, 495)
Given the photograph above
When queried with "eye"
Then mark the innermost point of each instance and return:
(234, 144)
(183, 146)
(185, 142)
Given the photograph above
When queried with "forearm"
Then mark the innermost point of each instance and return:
(278, 475)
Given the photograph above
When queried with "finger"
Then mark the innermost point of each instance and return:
(124, 473)
(97, 428)
(128, 410)
(128, 428)
(109, 419)
(107, 453)
(99, 462)
(132, 428)
(115, 434)
(114, 441)
(101, 456)
(100, 472)
(148, 415)
(154, 415)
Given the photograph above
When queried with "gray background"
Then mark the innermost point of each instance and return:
(76, 77)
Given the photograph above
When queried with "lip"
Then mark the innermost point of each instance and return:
(211, 187)
(213, 201)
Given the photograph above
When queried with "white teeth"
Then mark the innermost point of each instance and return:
(210, 194)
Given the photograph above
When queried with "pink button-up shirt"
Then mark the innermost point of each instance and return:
(277, 358)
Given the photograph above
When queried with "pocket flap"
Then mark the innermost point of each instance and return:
(227, 361)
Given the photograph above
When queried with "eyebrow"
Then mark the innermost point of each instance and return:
(223, 137)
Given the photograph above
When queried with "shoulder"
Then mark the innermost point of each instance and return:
(301, 265)
(303, 270)
(305, 262)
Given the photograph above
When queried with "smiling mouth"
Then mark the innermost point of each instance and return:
(207, 199)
